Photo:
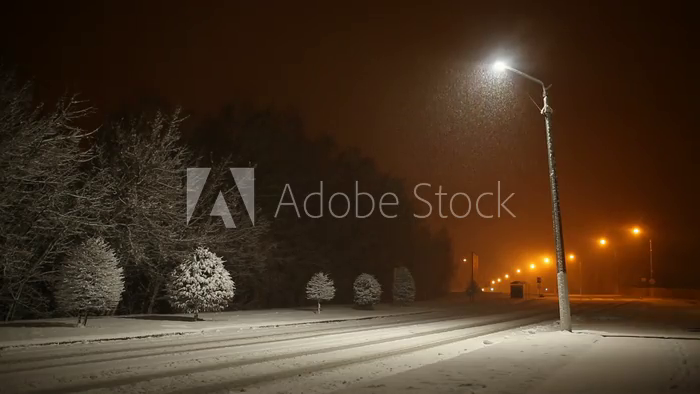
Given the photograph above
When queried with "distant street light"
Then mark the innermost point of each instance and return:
(562, 283)
(637, 231)
(499, 280)
(572, 257)
(604, 242)
(518, 270)
(506, 276)
(532, 266)
(546, 260)
(493, 282)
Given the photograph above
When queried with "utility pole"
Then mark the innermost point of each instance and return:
(562, 282)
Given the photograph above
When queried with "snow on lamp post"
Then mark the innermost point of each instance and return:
(562, 283)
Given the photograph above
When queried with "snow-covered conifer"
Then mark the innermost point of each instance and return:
(201, 284)
(320, 288)
(90, 280)
(367, 290)
(404, 290)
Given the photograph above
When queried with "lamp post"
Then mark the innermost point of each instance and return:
(580, 274)
(562, 283)
(637, 231)
(604, 242)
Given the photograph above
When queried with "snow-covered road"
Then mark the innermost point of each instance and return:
(235, 360)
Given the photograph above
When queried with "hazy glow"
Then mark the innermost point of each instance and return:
(636, 230)
(506, 276)
(493, 282)
(518, 270)
(546, 260)
(465, 260)
(603, 241)
(500, 66)
(532, 266)
(571, 256)
(499, 279)
(492, 289)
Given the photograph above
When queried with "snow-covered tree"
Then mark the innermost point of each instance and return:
(367, 290)
(90, 280)
(320, 288)
(46, 200)
(404, 290)
(201, 284)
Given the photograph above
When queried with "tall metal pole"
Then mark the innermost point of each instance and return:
(651, 266)
(471, 283)
(651, 272)
(617, 272)
(562, 282)
(580, 276)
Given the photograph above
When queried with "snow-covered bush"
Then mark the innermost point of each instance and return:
(320, 288)
(90, 280)
(404, 290)
(367, 290)
(201, 284)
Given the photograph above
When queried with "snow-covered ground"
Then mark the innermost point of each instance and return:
(64, 330)
(61, 330)
(492, 346)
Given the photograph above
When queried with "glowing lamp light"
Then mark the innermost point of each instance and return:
(500, 66)
(492, 289)
(603, 241)
(546, 260)
(636, 230)
(499, 279)
(532, 266)
(571, 257)
(518, 270)
(506, 276)
(482, 289)
(493, 282)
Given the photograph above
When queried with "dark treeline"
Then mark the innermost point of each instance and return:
(126, 182)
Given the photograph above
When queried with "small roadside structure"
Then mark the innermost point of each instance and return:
(517, 289)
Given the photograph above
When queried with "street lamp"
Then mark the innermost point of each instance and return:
(572, 257)
(603, 243)
(562, 283)
(506, 276)
(518, 270)
(637, 231)
(532, 266)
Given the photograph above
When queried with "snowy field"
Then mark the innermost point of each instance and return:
(492, 346)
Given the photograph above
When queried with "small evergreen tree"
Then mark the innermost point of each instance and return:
(90, 280)
(404, 290)
(367, 290)
(201, 284)
(320, 288)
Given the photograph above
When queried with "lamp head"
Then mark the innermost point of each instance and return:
(500, 66)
